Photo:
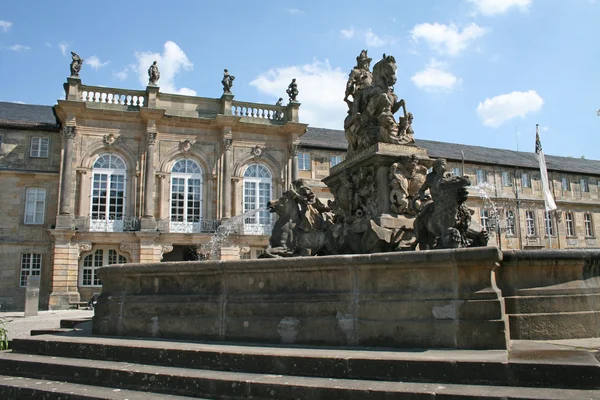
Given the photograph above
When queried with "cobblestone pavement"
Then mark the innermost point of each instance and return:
(19, 326)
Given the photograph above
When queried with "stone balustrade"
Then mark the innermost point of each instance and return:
(97, 94)
(260, 111)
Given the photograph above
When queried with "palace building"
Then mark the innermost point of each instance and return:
(111, 176)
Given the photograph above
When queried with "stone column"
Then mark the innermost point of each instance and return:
(65, 270)
(226, 198)
(69, 133)
(148, 221)
(236, 205)
(294, 153)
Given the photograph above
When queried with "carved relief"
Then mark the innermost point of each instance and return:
(227, 143)
(109, 139)
(83, 248)
(294, 150)
(126, 248)
(69, 132)
(185, 146)
(151, 138)
(257, 150)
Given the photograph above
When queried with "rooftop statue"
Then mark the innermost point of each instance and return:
(292, 91)
(227, 81)
(278, 114)
(371, 115)
(75, 64)
(153, 74)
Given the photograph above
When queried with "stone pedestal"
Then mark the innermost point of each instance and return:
(65, 271)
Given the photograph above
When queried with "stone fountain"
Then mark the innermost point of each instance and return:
(368, 289)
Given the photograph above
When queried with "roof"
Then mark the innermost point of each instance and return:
(336, 140)
(27, 115)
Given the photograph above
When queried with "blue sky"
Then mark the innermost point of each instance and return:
(478, 72)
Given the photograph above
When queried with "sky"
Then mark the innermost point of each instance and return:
(475, 72)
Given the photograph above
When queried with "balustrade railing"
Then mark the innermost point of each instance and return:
(261, 111)
(110, 224)
(97, 94)
(200, 226)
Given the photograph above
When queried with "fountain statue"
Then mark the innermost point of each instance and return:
(380, 191)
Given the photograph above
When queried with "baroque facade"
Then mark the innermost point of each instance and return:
(118, 176)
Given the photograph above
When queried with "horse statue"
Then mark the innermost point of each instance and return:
(303, 227)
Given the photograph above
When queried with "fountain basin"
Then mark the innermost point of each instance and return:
(439, 299)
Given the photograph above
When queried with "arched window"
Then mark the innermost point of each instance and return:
(98, 258)
(108, 193)
(257, 192)
(186, 197)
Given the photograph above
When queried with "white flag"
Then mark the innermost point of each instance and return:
(548, 199)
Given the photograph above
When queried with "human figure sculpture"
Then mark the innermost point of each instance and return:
(278, 114)
(292, 90)
(75, 64)
(359, 78)
(153, 74)
(227, 81)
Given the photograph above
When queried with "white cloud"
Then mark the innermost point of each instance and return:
(373, 40)
(95, 62)
(295, 11)
(321, 90)
(495, 7)
(5, 25)
(63, 48)
(171, 62)
(347, 33)
(447, 39)
(121, 75)
(435, 78)
(19, 47)
(495, 111)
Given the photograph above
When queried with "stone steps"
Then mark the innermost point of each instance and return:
(219, 370)
(238, 385)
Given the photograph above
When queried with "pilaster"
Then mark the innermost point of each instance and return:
(148, 222)
(227, 148)
(65, 271)
(150, 252)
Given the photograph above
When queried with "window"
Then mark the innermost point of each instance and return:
(257, 192)
(481, 178)
(484, 216)
(97, 259)
(35, 203)
(39, 147)
(108, 193)
(304, 161)
(186, 197)
(335, 160)
(510, 222)
(548, 225)
(530, 223)
(584, 185)
(457, 171)
(31, 264)
(587, 221)
(566, 185)
(525, 181)
(506, 178)
(570, 224)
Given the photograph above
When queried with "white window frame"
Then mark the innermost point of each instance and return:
(506, 179)
(570, 222)
(588, 223)
(110, 223)
(258, 188)
(36, 148)
(481, 176)
(457, 171)
(335, 160)
(565, 184)
(192, 172)
(530, 223)
(584, 185)
(304, 163)
(484, 218)
(525, 180)
(510, 223)
(35, 206)
(97, 262)
(31, 265)
(548, 224)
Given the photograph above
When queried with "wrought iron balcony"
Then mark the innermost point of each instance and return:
(110, 224)
(196, 226)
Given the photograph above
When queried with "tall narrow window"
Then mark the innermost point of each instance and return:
(510, 222)
(525, 181)
(108, 193)
(257, 192)
(566, 185)
(304, 161)
(457, 171)
(97, 259)
(35, 203)
(570, 224)
(506, 178)
(39, 147)
(530, 223)
(481, 178)
(484, 216)
(589, 227)
(31, 264)
(583, 182)
(186, 197)
(335, 160)
(549, 226)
